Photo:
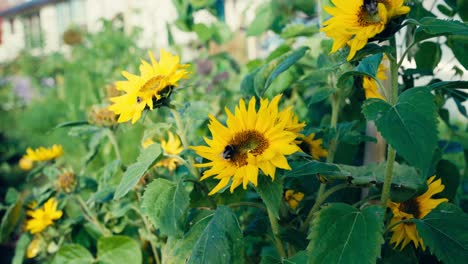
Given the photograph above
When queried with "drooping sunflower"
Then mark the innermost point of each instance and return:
(149, 89)
(354, 22)
(172, 146)
(43, 217)
(371, 89)
(417, 207)
(44, 154)
(313, 147)
(252, 140)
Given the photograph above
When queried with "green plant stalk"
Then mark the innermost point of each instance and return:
(113, 141)
(275, 228)
(92, 218)
(391, 152)
(320, 201)
(181, 132)
(148, 229)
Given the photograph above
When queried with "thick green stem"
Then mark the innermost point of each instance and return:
(114, 143)
(91, 217)
(275, 229)
(320, 200)
(391, 152)
(182, 134)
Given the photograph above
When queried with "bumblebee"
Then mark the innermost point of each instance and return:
(228, 152)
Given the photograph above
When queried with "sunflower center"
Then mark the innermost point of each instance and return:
(153, 85)
(368, 14)
(410, 207)
(249, 141)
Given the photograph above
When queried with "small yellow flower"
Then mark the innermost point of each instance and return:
(34, 247)
(417, 207)
(370, 85)
(43, 217)
(354, 22)
(293, 198)
(172, 146)
(101, 116)
(44, 154)
(313, 147)
(151, 88)
(25, 164)
(252, 141)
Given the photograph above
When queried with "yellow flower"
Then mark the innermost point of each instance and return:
(293, 198)
(171, 147)
(251, 141)
(43, 217)
(147, 142)
(151, 88)
(370, 85)
(354, 22)
(313, 147)
(25, 164)
(34, 247)
(44, 154)
(417, 207)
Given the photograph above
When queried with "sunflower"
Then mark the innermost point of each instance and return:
(417, 207)
(170, 147)
(43, 217)
(44, 154)
(293, 198)
(149, 89)
(25, 164)
(370, 85)
(313, 147)
(354, 22)
(252, 140)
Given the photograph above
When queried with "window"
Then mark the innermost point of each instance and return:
(32, 31)
(70, 13)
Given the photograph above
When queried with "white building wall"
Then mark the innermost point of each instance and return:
(49, 28)
(12, 42)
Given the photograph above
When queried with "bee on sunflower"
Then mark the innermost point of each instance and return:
(253, 140)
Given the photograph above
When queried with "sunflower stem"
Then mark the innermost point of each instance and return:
(92, 217)
(113, 141)
(320, 200)
(183, 138)
(148, 228)
(275, 229)
(391, 152)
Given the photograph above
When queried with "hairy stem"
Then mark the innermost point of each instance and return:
(275, 229)
(91, 217)
(113, 141)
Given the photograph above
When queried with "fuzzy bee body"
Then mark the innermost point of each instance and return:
(228, 152)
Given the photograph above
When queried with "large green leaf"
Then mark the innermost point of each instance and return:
(178, 250)
(312, 167)
(295, 30)
(10, 219)
(450, 175)
(73, 254)
(445, 233)
(271, 192)
(118, 249)
(220, 241)
(166, 205)
(263, 20)
(459, 46)
(270, 71)
(424, 62)
(340, 233)
(410, 126)
(135, 171)
(429, 27)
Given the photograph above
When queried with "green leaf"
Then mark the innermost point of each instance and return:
(299, 258)
(166, 205)
(448, 85)
(221, 240)
(459, 46)
(295, 30)
(450, 175)
(20, 249)
(340, 233)
(269, 72)
(204, 32)
(72, 124)
(262, 21)
(135, 171)
(410, 126)
(318, 94)
(425, 62)
(73, 254)
(444, 232)
(178, 250)
(430, 27)
(271, 192)
(367, 67)
(312, 167)
(118, 249)
(10, 220)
